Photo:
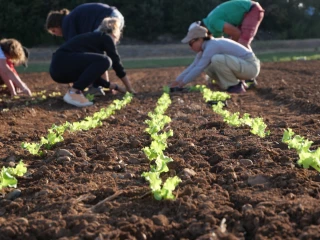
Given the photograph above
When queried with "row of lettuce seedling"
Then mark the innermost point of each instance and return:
(158, 161)
(257, 125)
(307, 158)
(35, 98)
(8, 174)
(55, 133)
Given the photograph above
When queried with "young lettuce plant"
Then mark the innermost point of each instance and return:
(33, 148)
(90, 97)
(7, 175)
(233, 119)
(155, 184)
(209, 95)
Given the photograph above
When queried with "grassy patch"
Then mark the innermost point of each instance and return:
(287, 56)
(183, 61)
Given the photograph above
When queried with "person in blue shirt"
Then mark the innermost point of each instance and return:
(84, 18)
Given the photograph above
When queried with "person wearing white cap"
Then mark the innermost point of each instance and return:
(224, 60)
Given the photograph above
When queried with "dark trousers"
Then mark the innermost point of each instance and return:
(81, 69)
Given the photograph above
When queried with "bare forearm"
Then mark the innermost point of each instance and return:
(10, 86)
(232, 31)
(235, 37)
(10, 76)
(13, 81)
(127, 83)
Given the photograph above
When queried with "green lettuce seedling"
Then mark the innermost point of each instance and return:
(307, 158)
(168, 187)
(90, 97)
(258, 127)
(233, 119)
(7, 175)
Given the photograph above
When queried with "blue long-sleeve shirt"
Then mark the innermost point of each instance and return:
(85, 18)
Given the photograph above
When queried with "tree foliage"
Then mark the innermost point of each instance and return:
(150, 20)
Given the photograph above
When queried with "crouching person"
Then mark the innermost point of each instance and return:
(226, 61)
(82, 61)
(12, 54)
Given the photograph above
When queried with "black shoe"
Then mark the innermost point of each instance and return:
(251, 83)
(239, 88)
(176, 89)
(212, 102)
(96, 91)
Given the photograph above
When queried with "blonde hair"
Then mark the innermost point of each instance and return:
(111, 25)
(55, 18)
(13, 50)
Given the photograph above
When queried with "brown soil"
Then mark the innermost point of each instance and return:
(273, 198)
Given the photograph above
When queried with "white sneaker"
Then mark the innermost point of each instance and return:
(77, 99)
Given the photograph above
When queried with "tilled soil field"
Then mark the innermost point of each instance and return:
(235, 185)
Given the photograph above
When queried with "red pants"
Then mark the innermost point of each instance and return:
(250, 24)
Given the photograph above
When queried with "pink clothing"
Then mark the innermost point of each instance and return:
(250, 24)
(11, 65)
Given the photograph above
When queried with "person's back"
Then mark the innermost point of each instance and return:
(84, 18)
(226, 46)
(231, 12)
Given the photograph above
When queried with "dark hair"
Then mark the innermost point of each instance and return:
(201, 23)
(55, 18)
(26, 53)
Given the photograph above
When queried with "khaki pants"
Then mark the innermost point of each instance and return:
(227, 70)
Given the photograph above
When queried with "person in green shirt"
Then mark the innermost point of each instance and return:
(239, 19)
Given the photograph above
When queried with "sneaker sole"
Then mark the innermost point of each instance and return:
(76, 103)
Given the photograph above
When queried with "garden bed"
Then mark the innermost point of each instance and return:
(235, 185)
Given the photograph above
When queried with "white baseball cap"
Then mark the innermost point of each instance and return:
(195, 31)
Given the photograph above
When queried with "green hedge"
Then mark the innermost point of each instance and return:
(153, 20)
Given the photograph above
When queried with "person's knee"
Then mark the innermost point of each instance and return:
(107, 63)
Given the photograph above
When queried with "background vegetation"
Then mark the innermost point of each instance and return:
(158, 20)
